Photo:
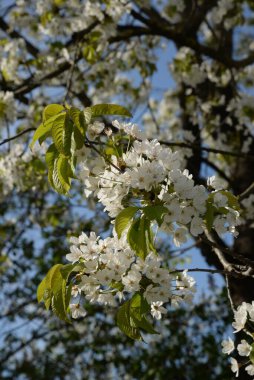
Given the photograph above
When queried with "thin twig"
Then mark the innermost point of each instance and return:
(90, 145)
(16, 136)
(212, 271)
(237, 256)
(229, 294)
(153, 117)
(72, 68)
(246, 192)
(209, 150)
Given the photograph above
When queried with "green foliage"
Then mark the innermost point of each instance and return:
(51, 110)
(61, 133)
(252, 354)
(140, 238)
(67, 126)
(232, 200)
(109, 109)
(124, 218)
(79, 119)
(43, 131)
(156, 213)
(131, 317)
(53, 290)
(210, 213)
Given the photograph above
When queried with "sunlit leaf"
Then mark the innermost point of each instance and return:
(123, 219)
(109, 109)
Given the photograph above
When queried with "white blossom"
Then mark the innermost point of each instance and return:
(250, 369)
(244, 348)
(227, 346)
(234, 366)
(77, 311)
(157, 309)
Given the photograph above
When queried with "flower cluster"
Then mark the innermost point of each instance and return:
(151, 174)
(242, 316)
(111, 271)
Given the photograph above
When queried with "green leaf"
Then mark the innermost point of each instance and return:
(232, 200)
(89, 54)
(61, 133)
(59, 304)
(51, 110)
(109, 109)
(251, 357)
(123, 219)
(43, 131)
(46, 283)
(155, 213)
(209, 215)
(126, 323)
(63, 169)
(87, 114)
(138, 237)
(55, 180)
(145, 325)
(78, 138)
(117, 285)
(53, 292)
(150, 241)
(51, 157)
(131, 317)
(140, 307)
(78, 119)
(140, 304)
(57, 132)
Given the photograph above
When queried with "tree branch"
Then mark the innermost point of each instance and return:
(14, 34)
(16, 136)
(210, 150)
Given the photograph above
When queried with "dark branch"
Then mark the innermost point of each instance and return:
(18, 135)
(14, 34)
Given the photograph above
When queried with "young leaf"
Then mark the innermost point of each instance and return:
(63, 172)
(123, 219)
(46, 283)
(52, 290)
(109, 109)
(78, 138)
(251, 357)
(87, 114)
(125, 322)
(232, 200)
(51, 110)
(155, 213)
(209, 215)
(131, 317)
(144, 325)
(67, 269)
(61, 133)
(51, 158)
(140, 307)
(78, 119)
(43, 131)
(57, 132)
(138, 237)
(55, 180)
